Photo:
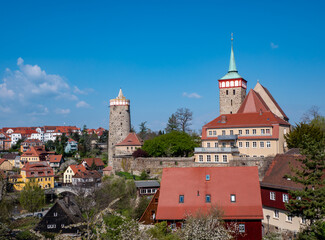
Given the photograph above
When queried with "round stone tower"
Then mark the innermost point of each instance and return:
(119, 123)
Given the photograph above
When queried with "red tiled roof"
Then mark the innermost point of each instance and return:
(71, 140)
(78, 168)
(253, 103)
(224, 181)
(54, 158)
(88, 174)
(37, 169)
(280, 166)
(2, 160)
(32, 141)
(246, 120)
(108, 168)
(98, 162)
(34, 151)
(131, 140)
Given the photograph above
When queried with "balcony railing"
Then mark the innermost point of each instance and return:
(216, 150)
(227, 137)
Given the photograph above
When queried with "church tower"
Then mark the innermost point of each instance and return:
(119, 123)
(232, 87)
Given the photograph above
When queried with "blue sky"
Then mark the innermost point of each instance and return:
(61, 61)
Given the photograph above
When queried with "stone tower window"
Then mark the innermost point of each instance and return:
(226, 92)
(234, 92)
(231, 102)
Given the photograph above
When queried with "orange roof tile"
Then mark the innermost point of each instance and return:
(55, 158)
(131, 140)
(2, 160)
(192, 184)
(78, 168)
(37, 169)
(98, 162)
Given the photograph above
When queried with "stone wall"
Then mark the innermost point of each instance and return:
(230, 103)
(154, 166)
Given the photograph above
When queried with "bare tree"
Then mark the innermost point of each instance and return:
(184, 118)
(310, 114)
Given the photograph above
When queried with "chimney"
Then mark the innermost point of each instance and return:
(223, 119)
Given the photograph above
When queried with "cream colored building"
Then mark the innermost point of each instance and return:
(129, 145)
(71, 171)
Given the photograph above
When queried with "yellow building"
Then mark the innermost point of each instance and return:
(33, 154)
(39, 172)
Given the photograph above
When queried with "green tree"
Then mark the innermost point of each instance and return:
(50, 145)
(172, 124)
(174, 144)
(309, 202)
(32, 197)
(299, 133)
(104, 137)
(16, 147)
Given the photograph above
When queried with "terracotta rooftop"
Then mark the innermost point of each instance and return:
(78, 168)
(55, 158)
(108, 168)
(280, 166)
(87, 174)
(223, 181)
(98, 162)
(131, 140)
(34, 151)
(37, 169)
(253, 103)
(2, 160)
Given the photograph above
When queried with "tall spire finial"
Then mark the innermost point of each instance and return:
(232, 64)
(120, 94)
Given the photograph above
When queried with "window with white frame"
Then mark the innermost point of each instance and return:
(201, 158)
(49, 226)
(240, 144)
(208, 158)
(240, 132)
(285, 197)
(247, 144)
(214, 133)
(232, 197)
(254, 144)
(224, 158)
(247, 131)
(268, 131)
(55, 214)
(208, 145)
(254, 131)
(231, 132)
(276, 214)
(272, 196)
(261, 144)
(223, 132)
(268, 144)
(216, 158)
(262, 131)
(216, 144)
(241, 227)
(210, 133)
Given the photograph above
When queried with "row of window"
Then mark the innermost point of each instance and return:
(45, 179)
(131, 148)
(263, 131)
(285, 197)
(148, 191)
(51, 226)
(254, 144)
(288, 217)
(215, 158)
(181, 198)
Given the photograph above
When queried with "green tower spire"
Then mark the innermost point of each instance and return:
(232, 72)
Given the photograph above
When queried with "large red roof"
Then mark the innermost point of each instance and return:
(131, 140)
(37, 169)
(253, 103)
(97, 161)
(34, 151)
(224, 181)
(78, 168)
(55, 158)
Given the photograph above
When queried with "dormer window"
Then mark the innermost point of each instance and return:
(233, 198)
(207, 177)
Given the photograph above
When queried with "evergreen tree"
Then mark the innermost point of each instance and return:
(309, 202)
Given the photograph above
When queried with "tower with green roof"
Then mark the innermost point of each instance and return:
(232, 88)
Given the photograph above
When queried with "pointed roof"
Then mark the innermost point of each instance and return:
(232, 72)
(270, 101)
(131, 140)
(120, 94)
(253, 103)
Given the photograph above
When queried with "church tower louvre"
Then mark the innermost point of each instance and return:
(119, 123)
(232, 88)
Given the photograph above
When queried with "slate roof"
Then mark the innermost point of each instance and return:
(146, 183)
(280, 166)
(192, 184)
(10, 156)
(131, 140)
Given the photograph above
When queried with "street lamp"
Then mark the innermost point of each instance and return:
(268, 223)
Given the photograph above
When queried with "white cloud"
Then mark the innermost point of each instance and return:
(62, 111)
(5, 92)
(191, 95)
(274, 46)
(82, 104)
(5, 109)
(76, 90)
(40, 111)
